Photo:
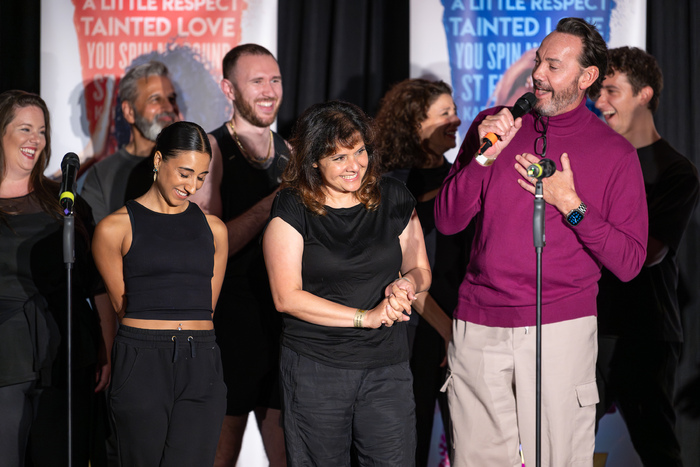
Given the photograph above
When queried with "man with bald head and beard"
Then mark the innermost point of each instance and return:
(595, 214)
(245, 172)
(149, 104)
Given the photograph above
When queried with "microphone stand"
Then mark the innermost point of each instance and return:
(69, 259)
(538, 237)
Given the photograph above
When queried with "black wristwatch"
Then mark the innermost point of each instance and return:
(575, 216)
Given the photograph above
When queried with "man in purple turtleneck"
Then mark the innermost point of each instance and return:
(595, 215)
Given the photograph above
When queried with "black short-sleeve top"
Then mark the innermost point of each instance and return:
(350, 256)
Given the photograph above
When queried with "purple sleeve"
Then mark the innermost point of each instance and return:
(616, 232)
(459, 198)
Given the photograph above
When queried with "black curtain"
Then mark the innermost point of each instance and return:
(19, 45)
(352, 50)
(673, 38)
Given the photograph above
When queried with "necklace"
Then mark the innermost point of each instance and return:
(255, 160)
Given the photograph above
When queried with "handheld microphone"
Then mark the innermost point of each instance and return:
(69, 166)
(542, 169)
(520, 108)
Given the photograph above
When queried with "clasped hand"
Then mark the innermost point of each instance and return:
(398, 298)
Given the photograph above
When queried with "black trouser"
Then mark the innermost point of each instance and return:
(18, 404)
(168, 397)
(48, 440)
(638, 376)
(427, 353)
(327, 411)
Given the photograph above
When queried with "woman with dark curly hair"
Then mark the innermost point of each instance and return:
(416, 124)
(345, 256)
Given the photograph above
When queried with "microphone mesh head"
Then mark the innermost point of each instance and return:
(524, 104)
(70, 159)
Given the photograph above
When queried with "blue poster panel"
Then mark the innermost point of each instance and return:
(492, 45)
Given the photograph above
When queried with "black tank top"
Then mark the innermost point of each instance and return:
(242, 186)
(169, 267)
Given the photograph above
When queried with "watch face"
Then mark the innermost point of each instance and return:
(574, 217)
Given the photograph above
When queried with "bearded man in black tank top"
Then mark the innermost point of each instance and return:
(247, 164)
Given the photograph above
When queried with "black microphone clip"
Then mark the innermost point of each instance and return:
(542, 169)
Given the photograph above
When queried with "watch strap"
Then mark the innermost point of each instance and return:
(575, 216)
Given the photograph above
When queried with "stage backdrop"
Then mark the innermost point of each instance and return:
(86, 45)
(485, 49)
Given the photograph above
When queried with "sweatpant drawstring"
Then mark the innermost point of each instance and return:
(193, 351)
(193, 347)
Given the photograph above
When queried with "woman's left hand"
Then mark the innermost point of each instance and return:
(398, 303)
(403, 284)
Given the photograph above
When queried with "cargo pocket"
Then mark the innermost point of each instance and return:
(587, 394)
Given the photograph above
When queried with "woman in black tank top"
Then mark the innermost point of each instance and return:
(163, 262)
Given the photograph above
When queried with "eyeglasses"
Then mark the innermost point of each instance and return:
(541, 142)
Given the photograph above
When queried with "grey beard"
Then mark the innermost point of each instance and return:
(151, 130)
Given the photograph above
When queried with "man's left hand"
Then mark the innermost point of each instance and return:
(558, 190)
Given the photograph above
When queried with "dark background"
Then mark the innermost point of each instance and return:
(355, 49)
